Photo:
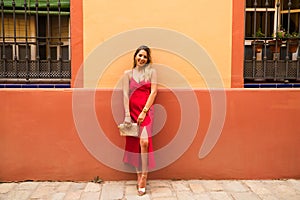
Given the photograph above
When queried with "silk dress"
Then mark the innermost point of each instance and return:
(138, 95)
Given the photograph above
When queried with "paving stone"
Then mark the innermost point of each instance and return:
(295, 184)
(136, 197)
(58, 196)
(112, 190)
(161, 192)
(50, 184)
(212, 185)
(284, 192)
(73, 195)
(159, 183)
(274, 189)
(245, 196)
(92, 187)
(184, 195)
(202, 196)
(289, 197)
(63, 187)
(234, 186)
(27, 186)
(258, 187)
(197, 188)
(6, 187)
(180, 186)
(42, 191)
(130, 190)
(164, 198)
(17, 195)
(276, 185)
(90, 195)
(220, 196)
(285, 189)
(268, 197)
(77, 186)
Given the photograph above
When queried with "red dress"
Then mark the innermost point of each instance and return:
(138, 95)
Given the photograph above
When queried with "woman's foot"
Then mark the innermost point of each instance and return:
(141, 191)
(142, 185)
(139, 175)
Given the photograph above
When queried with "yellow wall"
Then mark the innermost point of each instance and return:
(207, 23)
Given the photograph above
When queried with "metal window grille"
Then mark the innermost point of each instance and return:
(272, 39)
(35, 41)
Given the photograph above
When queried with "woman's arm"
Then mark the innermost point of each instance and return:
(151, 97)
(153, 93)
(126, 96)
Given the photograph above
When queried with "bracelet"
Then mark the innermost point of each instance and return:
(145, 109)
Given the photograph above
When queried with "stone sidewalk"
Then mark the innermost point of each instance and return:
(156, 190)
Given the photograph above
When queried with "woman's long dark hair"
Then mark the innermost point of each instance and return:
(145, 48)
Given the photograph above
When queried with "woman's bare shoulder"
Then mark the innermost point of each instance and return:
(153, 70)
(127, 72)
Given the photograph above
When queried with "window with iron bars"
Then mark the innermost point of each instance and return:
(272, 34)
(35, 41)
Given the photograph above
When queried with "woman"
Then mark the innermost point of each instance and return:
(139, 92)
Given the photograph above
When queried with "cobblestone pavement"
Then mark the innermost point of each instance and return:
(156, 190)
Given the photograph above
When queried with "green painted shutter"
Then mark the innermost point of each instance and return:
(42, 3)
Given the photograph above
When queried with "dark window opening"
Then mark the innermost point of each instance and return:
(24, 52)
(34, 42)
(7, 52)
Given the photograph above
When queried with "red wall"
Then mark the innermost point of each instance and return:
(260, 138)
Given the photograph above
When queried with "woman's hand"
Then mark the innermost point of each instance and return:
(127, 120)
(141, 117)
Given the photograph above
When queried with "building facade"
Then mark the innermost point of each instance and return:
(204, 115)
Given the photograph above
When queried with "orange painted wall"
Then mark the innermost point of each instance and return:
(207, 26)
(238, 26)
(260, 138)
(76, 41)
(237, 50)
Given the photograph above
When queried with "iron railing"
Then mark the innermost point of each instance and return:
(270, 57)
(43, 37)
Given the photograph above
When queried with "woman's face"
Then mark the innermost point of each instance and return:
(141, 58)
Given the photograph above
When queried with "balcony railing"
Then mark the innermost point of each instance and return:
(272, 40)
(34, 71)
(281, 66)
(34, 41)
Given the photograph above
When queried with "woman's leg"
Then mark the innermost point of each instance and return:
(144, 143)
(139, 175)
(144, 158)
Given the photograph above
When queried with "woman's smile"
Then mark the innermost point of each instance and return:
(141, 58)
